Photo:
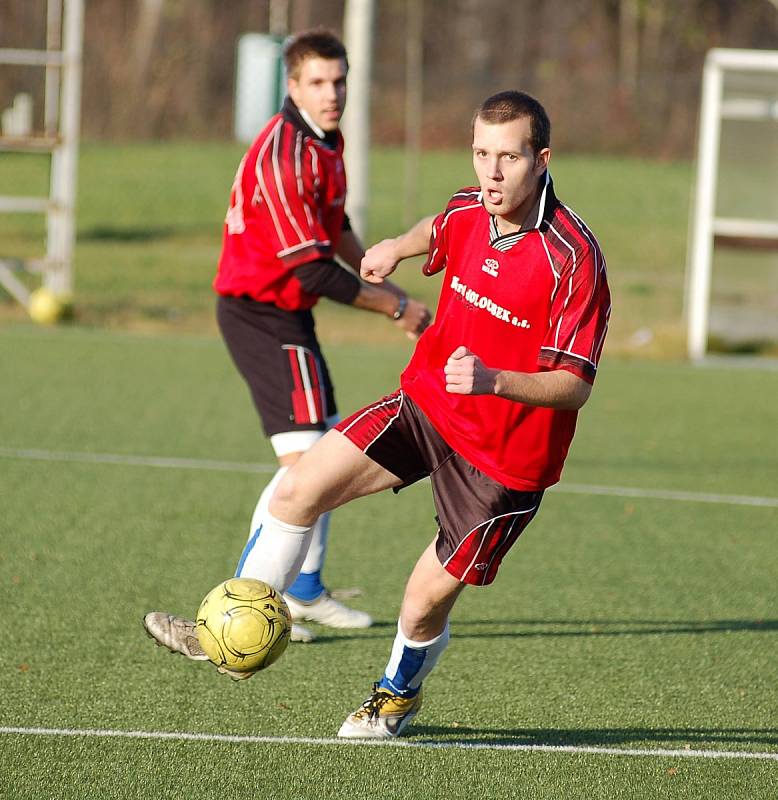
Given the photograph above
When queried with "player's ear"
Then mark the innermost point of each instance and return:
(541, 161)
(293, 89)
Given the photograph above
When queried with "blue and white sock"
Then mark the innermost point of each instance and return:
(308, 584)
(411, 662)
(274, 553)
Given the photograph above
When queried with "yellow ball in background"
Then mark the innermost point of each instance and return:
(45, 307)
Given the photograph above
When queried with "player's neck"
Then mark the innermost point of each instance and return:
(515, 220)
(505, 226)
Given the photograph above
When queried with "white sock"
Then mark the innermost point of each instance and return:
(412, 661)
(314, 561)
(274, 553)
(264, 500)
(317, 551)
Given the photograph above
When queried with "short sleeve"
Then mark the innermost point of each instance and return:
(286, 177)
(580, 310)
(437, 256)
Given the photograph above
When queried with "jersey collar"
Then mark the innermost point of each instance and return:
(538, 218)
(300, 119)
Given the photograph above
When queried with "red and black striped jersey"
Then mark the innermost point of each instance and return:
(287, 208)
(530, 301)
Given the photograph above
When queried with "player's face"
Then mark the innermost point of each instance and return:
(320, 90)
(507, 168)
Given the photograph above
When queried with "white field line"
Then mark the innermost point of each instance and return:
(246, 467)
(668, 494)
(136, 461)
(181, 736)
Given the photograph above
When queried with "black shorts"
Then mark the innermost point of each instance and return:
(279, 357)
(479, 519)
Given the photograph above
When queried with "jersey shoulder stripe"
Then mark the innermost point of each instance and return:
(467, 199)
(569, 242)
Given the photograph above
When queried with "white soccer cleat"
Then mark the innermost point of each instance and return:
(383, 715)
(178, 635)
(327, 611)
(300, 633)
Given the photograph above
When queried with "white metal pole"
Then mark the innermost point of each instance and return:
(278, 23)
(358, 36)
(64, 162)
(414, 105)
(705, 205)
(51, 91)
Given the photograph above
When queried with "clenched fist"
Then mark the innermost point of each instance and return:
(467, 374)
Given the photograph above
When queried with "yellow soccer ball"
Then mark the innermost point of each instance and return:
(244, 625)
(45, 307)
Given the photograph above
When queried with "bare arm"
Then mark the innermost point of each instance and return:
(382, 259)
(467, 374)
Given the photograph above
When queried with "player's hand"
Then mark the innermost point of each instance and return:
(379, 261)
(415, 319)
(467, 374)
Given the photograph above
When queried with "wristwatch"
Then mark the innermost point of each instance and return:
(401, 306)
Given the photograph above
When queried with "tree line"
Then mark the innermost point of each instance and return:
(615, 75)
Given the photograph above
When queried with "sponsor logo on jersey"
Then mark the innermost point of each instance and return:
(481, 301)
(490, 267)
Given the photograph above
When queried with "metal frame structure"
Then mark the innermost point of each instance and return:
(61, 122)
(706, 226)
(358, 30)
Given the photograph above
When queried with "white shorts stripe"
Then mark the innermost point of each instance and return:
(375, 407)
(504, 538)
(486, 522)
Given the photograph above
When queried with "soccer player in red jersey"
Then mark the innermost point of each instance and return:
(488, 403)
(285, 224)
(487, 406)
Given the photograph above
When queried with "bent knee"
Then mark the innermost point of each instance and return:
(296, 498)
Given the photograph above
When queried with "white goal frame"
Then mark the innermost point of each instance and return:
(706, 226)
(60, 140)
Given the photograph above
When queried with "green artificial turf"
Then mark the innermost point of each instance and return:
(616, 622)
(150, 219)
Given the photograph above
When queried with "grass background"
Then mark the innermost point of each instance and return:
(616, 621)
(620, 622)
(150, 221)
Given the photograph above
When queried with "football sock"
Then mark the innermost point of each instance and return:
(274, 553)
(264, 500)
(411, 662)
(308, 585)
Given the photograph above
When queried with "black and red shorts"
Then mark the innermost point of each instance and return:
(479, 519)
(280, 359)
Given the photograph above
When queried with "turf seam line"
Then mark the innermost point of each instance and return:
(418, 744)
(253, 468)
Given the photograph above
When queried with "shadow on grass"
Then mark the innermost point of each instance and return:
(554, 628)
(599, 737)
(102, 233)
(595, 627)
